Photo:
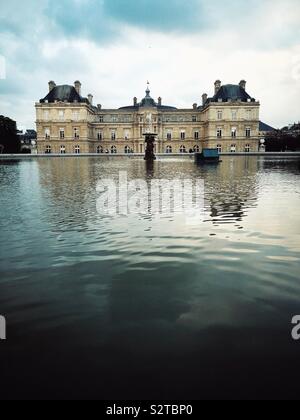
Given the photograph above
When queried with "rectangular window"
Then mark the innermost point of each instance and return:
(182, 135)
(247, 148)
(113, 135)
(126, 135)
(61, 133)
(233, 148)
(61, 115)
(234, 115)
(76, 133)
(233, 132)
(220, 115)
(248, 132)
(169, 135)
(219, 133)
(249, 114)
(194, 118)
(196, 135)
(47, 133)
(76, 116)
(100, 135)
(101, 118)
(114, 118)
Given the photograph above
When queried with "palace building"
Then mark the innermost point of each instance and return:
(69, 123)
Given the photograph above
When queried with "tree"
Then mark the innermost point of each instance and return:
(9, 142)
(281, 141)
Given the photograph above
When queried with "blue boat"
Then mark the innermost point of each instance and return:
(208, 156)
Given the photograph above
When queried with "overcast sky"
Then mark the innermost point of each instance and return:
(181, 46)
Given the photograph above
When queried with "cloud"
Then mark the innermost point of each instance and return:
(114, 46)
(172, 15)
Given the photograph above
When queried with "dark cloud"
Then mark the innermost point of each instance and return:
(171, 15)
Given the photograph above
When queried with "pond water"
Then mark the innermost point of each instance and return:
(146, 306)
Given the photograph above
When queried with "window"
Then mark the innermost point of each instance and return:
(169, 149)
(47, 133)
(182, 149)
(77, 150)
(219, 133)
(219, 147)
(126, 135)
(194, 118)
(114, 118)
(233, 148)
(220, 115)
(99, 149)
(76, 133)
(233, 132)
(113, 135)
(61, 133)
(127, 150)
(101, 118)
(169, 135)
(113, 150)
(196, 149)
(196, 135)
(100, 135)
(234, 115)
(62, 150)
(248, 132)
(48, 150)
(182, 135)
(61, 115)
(249, 114)
(247, 148)
(76, 115)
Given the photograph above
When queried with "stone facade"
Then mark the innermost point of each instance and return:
(69, 123)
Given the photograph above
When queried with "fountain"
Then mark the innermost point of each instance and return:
(149, 140)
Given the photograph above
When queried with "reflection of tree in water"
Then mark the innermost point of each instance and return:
(282, 164)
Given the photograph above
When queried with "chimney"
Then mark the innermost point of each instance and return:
(159, 101)
(243, 84)
(90, 98)
(77, 85)
(204, 98)
(52, 85)
(135, 101)
(195, 106)
(218, 85)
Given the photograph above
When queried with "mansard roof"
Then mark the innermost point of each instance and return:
(265, 127)
(64, 93)
(231, 93)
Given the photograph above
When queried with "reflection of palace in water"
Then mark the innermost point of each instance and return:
(231, 188)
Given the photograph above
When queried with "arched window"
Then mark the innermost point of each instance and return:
(196, 149)
(247, 148)
(48, 150)
(182, 149)
(219, 147)
(77, 150)
(233, 148)
(62, 150)
(127, 150)
(169, 149)
(99, 149)
(113, 150)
